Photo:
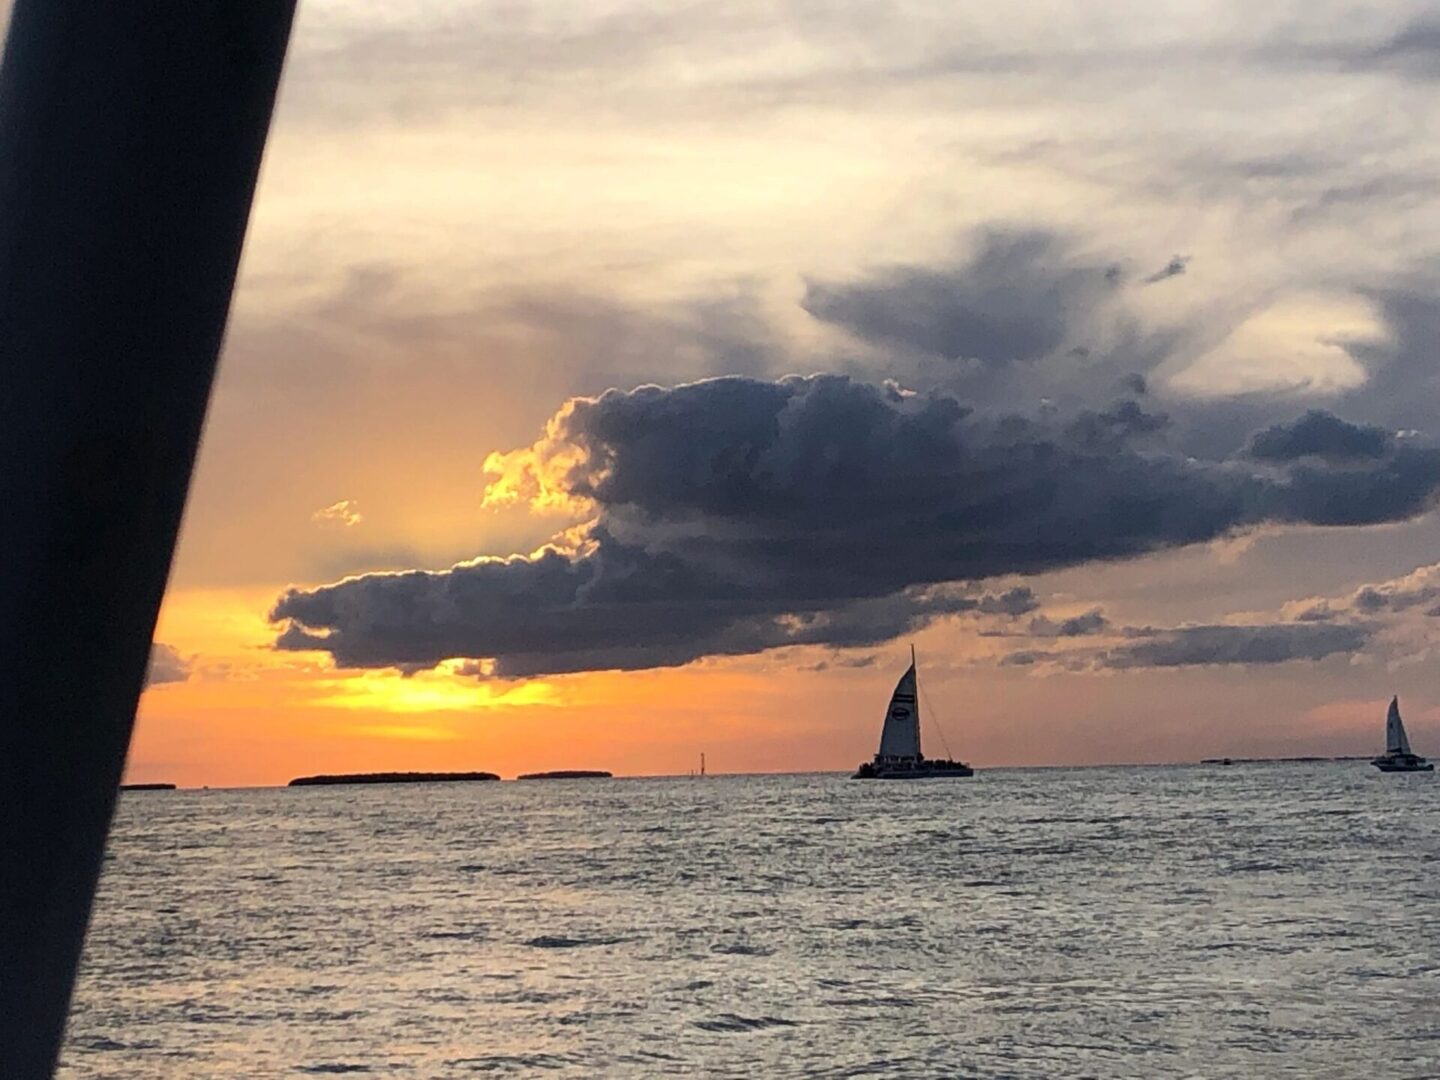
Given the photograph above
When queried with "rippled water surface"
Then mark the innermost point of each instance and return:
(1250, 921)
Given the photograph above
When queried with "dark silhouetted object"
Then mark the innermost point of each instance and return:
(147, 787)
(392, 778)
(566, 774)
(130, 139)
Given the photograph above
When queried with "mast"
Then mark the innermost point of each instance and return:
(915, 671)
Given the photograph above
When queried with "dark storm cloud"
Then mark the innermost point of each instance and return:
(166, 665)
(1276, 643)
(613, 606)
(1341, 473)
(1319, 434)
(1112, 427)
(736, 515)
(1012, 300)
(1395, 487)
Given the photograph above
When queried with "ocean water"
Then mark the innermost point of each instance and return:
(1250, 921)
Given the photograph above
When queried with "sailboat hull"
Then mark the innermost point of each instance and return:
(924, 770)
(1405, 763)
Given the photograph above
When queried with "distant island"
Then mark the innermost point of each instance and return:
(147, 787)
(1279, 760)
(392, 778)
(567, 774)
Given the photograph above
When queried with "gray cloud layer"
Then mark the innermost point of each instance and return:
(1090, 622)
(1391, 620)
(1277, 643)
(735, 515)
(1220, 644)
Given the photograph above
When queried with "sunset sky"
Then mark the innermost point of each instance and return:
(707, 356)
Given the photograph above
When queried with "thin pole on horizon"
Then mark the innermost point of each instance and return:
(131, 135)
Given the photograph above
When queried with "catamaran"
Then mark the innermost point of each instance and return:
(899, 757)
(1398, 756)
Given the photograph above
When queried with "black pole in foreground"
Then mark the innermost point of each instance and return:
(131, 133)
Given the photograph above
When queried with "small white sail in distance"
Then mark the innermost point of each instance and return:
(900, 737)
(1396, 741)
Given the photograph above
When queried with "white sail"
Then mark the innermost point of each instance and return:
(1395, 739)
(900, 738)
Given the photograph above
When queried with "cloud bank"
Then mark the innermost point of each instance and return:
(1391, 621)
(734, 515)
